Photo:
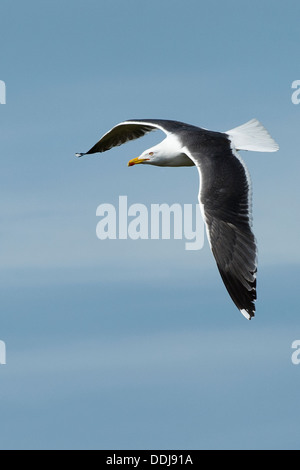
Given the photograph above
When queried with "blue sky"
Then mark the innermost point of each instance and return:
(136, 344)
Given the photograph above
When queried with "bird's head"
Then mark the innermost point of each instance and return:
(165, 153)
(148, 157)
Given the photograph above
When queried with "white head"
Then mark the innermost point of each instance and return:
(166, 153)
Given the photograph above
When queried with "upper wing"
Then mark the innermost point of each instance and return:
(225, 199)
(129, 130)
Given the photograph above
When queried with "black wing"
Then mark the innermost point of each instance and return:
(225, 197)
(130, 130)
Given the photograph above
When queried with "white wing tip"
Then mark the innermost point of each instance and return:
(252, 136)
(246, 314)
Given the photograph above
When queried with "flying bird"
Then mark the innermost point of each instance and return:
(225, 193)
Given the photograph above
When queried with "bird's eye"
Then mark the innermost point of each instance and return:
(151, 154)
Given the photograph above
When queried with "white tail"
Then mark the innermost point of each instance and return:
(252, 136)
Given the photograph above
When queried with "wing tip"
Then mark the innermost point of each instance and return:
(247, 315)
(78, 155)
(243, 298)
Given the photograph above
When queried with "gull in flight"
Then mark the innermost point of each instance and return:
(225, 194)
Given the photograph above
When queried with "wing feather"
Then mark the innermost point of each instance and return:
(225, 197)
(130, 130)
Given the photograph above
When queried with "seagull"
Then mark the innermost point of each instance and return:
(225, 193)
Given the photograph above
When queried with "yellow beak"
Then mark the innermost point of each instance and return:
(135, 161)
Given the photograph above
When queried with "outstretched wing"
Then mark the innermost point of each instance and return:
(130, 130)
(225, 199)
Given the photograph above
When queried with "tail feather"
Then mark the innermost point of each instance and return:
(252, 136)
